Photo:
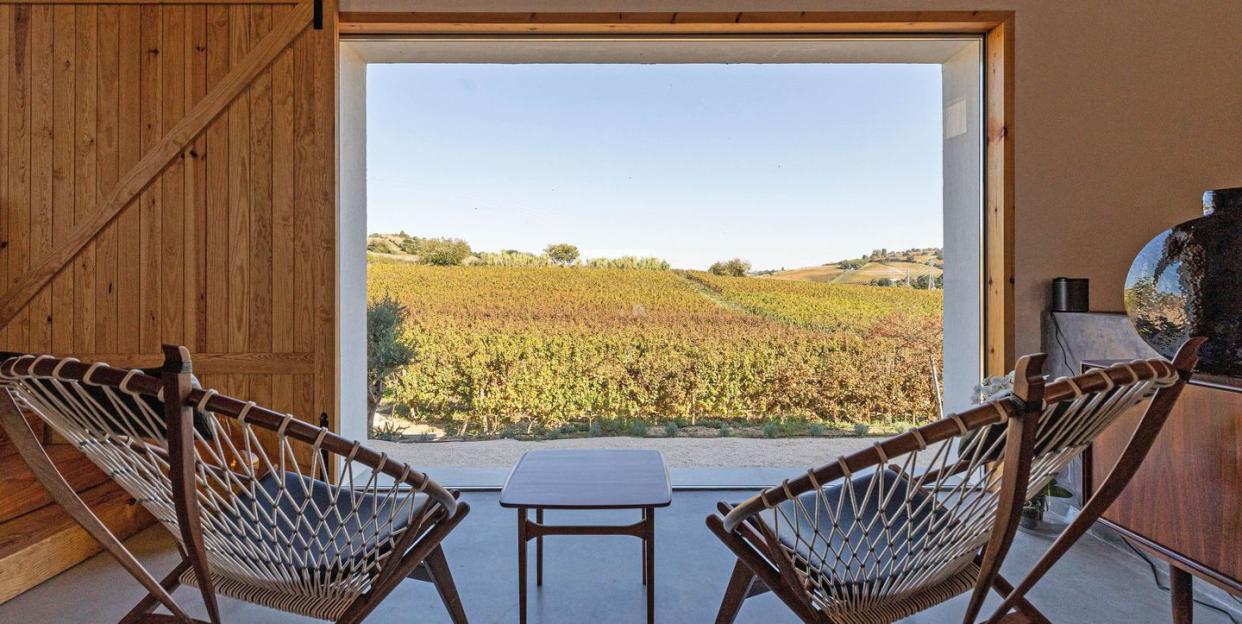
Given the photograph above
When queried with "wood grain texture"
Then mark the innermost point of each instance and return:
(1200, 446)
(46, 542)
(20, 490)
(153, 163)
(124, 221)
(998, 198)
(672, 22)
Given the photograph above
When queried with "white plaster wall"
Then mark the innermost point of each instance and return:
(1125, 112)
(961, 85)
(351, 304)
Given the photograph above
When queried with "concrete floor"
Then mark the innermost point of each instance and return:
(598, 579)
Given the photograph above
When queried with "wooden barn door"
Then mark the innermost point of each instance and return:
(167, 174)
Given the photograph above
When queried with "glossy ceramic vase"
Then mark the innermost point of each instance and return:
(1188, 282)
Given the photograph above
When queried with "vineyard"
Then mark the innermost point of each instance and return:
(536, 348)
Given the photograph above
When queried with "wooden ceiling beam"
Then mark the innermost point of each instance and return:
(672, 23)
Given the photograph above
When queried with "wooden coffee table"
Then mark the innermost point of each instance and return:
(586, 479)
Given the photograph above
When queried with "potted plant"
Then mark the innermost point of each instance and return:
(1034, 509)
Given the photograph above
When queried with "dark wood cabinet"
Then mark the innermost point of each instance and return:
(1185, 503)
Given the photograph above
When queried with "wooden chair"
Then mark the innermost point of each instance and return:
(1123, 386)
(265, 508)
(926, 515)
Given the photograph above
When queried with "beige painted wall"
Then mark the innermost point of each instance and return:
(1125, 112)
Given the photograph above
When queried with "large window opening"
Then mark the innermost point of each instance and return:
(749, 253)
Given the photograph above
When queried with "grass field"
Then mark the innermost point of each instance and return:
(503, 349)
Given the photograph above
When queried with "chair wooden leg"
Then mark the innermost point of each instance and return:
(142, 610)
(763, 570)
(443, 580)
(740, 583)
(1026, 610)
(23, 438)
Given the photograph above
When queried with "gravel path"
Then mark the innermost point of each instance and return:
(678, 452)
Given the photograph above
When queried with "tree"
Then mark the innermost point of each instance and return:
(387, 350)
(562, 253)
(437, 251)
(736, 267)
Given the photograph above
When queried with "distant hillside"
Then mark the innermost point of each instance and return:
(881, 264)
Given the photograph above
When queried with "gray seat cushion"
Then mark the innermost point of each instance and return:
(320, 524)
(854, 525)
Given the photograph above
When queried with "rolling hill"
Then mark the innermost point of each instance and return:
(892, 266)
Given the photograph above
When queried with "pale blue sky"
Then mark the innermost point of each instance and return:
(783, 165)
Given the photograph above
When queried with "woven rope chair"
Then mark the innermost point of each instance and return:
(1076, 411)
(926, 515)
(248, 493)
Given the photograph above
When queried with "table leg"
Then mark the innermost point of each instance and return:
(1182, 595)
(539, 551)
(522, 565)
(649, 559)
(644, 547)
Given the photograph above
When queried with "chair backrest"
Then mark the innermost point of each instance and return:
(914, 512)
(1077, 409)
(281, 505)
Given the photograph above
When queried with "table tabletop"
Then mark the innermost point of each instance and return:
(588, 479)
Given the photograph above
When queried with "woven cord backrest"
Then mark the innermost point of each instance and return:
(883, 525)
(269, 516)
(1077, 409)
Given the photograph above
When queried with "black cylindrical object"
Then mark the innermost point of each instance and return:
(1069, 294)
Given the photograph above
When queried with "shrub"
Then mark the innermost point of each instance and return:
(387, 351)
(388, 431)
(629, 262)
(726, 430)
(817, 430)
(670, 430)
(562, 253)
(595, 431)
(638, 429)
(771, 429)
(861, 429)
(736, 267)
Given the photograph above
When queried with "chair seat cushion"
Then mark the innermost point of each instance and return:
(861, 534)
(308, 524)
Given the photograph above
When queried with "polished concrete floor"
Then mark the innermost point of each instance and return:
(598, 579)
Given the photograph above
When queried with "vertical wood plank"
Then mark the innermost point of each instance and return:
(326, 54)
(107, 119)
(172, 63)
(129, 143)
(42, 77)
(17, 195)
(217, 166)
(239, 192)
(196, 185)
(282, 303)
(64, 121)
(304, 150)
(85, 177)
(998, 200)
(260, 262)
(6, 30)
(150, 202)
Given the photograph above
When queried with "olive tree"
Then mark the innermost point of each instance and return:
(387, 349)
(736, 267)
(562, 253)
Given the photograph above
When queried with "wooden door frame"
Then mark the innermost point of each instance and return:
(995, 27)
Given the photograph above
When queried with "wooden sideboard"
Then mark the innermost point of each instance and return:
(1185, 503)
